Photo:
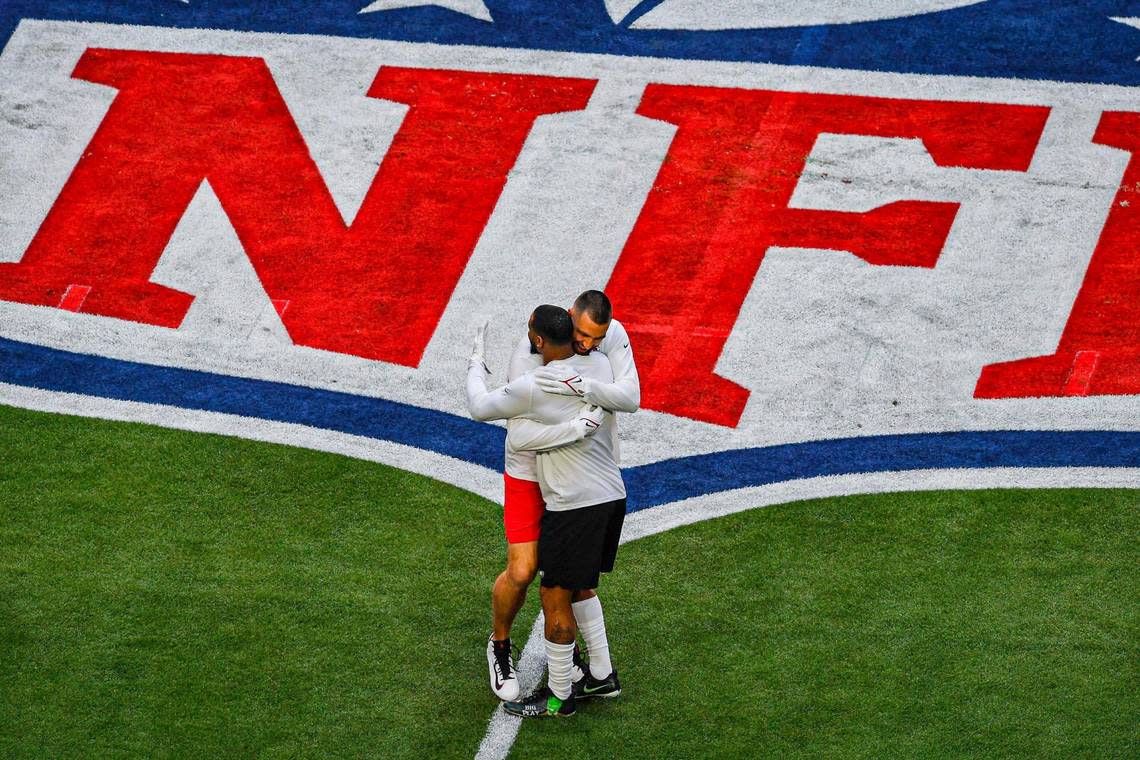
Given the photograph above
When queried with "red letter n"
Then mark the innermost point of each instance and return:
(374, 289)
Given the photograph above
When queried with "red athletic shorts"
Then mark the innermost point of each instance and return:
(522, 509)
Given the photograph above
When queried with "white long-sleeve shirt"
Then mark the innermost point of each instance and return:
(572, 475)
(623, 394)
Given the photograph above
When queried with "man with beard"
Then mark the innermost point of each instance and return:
(575, 474)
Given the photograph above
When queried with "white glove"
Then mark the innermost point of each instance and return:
(589, 419)
(561, 381)
(478, 356)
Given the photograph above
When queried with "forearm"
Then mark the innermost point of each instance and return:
(531, 435)
(477, 392)
(489, 405)
(624, 393)
(621, 396)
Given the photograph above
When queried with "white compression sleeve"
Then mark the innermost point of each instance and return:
(592, 626)
(559, 661)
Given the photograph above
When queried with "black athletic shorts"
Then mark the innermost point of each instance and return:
(576, 545)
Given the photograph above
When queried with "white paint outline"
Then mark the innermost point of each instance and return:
(470, 477)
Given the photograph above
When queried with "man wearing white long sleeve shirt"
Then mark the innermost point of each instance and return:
(581, 485)
(595, 330)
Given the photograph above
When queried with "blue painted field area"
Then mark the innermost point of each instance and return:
(1046, 39)
(480, 443)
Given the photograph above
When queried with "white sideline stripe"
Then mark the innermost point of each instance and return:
(470, 477)
(676, 514)
(503, 729)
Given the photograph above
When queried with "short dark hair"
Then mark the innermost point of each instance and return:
(553, 323)
(596, 304)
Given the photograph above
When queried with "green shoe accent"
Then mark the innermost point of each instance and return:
(553, 705)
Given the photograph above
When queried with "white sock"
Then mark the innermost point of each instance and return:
(592, 626)
(559, 661)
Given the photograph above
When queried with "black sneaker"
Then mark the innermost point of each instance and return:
(542, 704)
(598, 688)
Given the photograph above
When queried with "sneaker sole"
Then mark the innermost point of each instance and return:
(607, 695)
(512, 698)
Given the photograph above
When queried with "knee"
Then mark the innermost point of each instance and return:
(522, 571)
(559, 616)
(561, 630)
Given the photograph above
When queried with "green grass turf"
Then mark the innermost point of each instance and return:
(169, 594)
(952, 624)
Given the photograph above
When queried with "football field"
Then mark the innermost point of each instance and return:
(874, 268)
(176, 594)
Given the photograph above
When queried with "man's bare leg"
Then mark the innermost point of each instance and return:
(509, 592)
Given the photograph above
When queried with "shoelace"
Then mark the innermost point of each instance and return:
(503, 661)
